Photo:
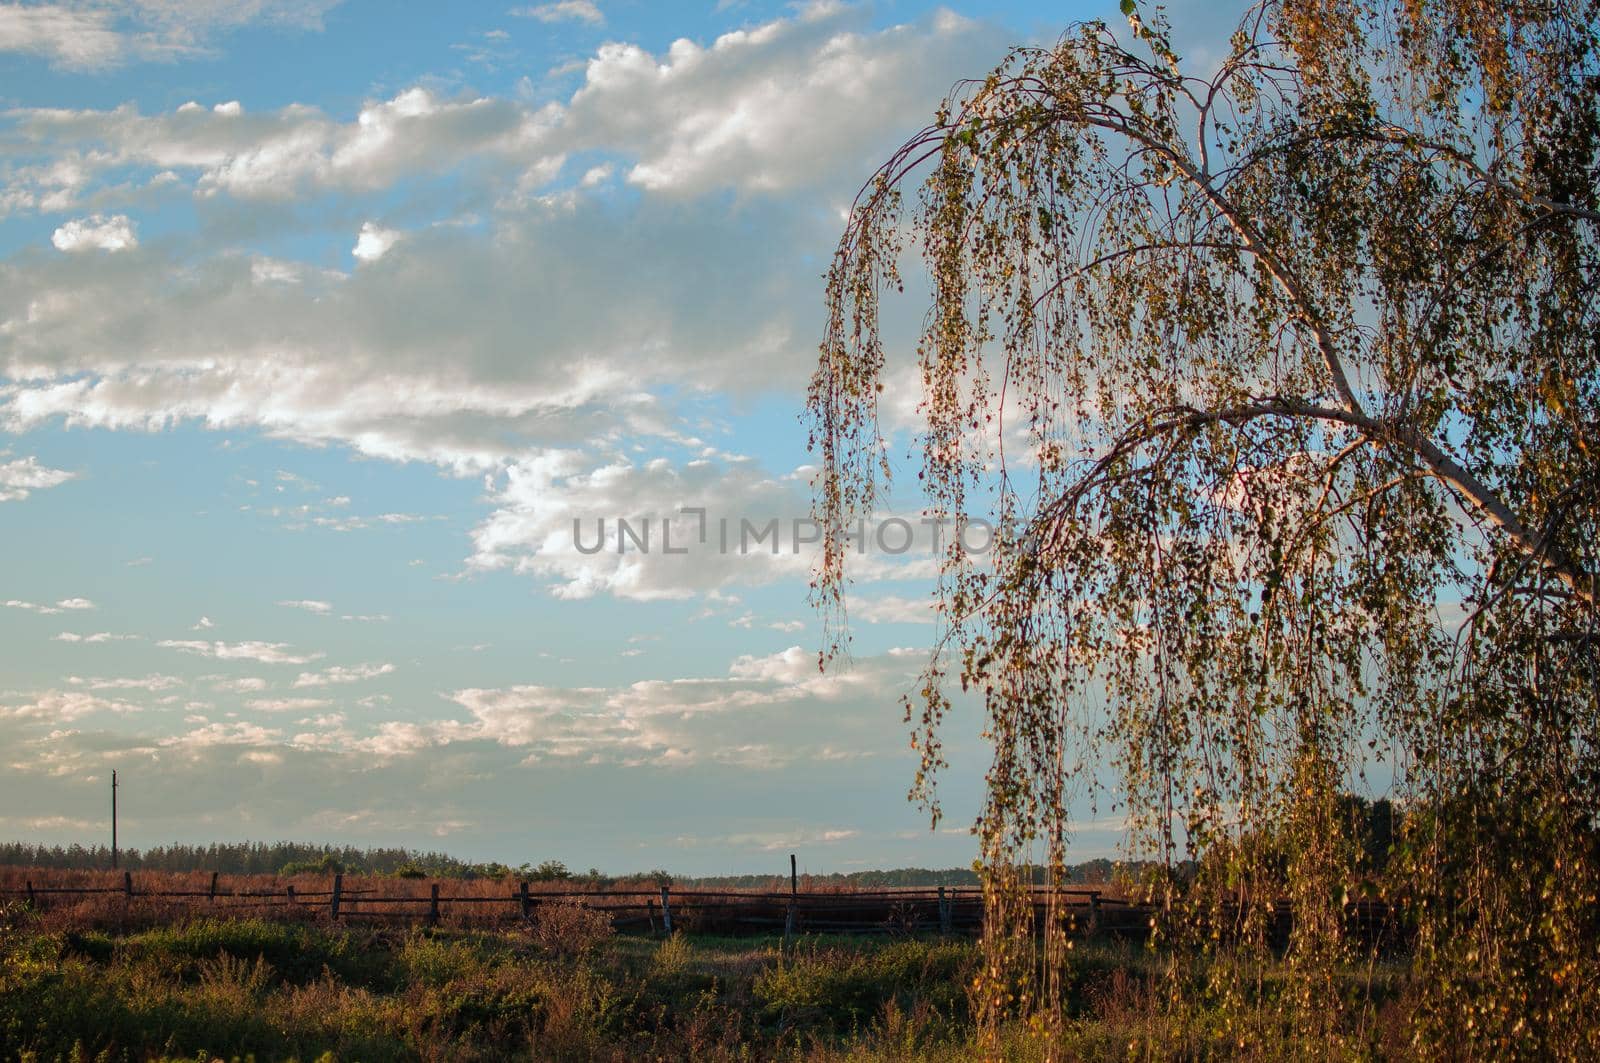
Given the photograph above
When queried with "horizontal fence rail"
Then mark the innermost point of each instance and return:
(948, 910)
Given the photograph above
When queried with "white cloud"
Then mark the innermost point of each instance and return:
(309, 605)
(378, 359)
(261, 652)
(223, 734)
(563, 11)
(96, 233)
(892, 609)
(112, 32)
(764, 713)
(64, 606)
(802, 838)
(64, 706)
(288, 704)
(339, 674)
(240, 685)
(151, 683)
(98, 636)
(68, 37)
(779, 106)
(551, 512)
(20, 477)
(374, 242)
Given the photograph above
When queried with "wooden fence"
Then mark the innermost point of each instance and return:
(946, 910)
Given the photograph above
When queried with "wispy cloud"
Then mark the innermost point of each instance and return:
(66, 605)
(340, 675)
(288, 704)
(563, 11)
(261, 652)
(113, 32)
(149, 683)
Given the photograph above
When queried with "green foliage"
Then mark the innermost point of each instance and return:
(327, 865)
(549, 871)
(845, 987)
(213, 990)
(258, 858)
(1298, 354)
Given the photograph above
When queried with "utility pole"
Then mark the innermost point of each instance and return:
(113, 820)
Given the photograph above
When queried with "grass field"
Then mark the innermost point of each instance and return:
(565, 987)
(275, 990)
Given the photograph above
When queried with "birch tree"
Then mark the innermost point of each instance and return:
(1282, 381)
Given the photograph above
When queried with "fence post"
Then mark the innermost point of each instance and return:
(433, 904)
(527, 904)
(290, 888)
(789, 913)
(1094, 911)
(127, 883)
(31, 903)
(666, 910)
(338, 888)
(213, 895)
(944, 912)
(650, 912)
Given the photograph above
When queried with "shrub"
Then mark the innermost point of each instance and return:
(569, 927)
(328, 865)
(672, 956)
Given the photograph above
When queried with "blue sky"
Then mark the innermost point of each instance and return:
(320, 325)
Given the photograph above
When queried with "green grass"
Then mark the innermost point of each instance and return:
(252, 989)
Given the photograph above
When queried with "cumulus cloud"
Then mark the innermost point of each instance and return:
(783, 105)
(20, 477)
(98, 636)
(696, 298)
(373, 242)
(626, 529)
(96, 233)
(548, 381)
(358, 361)
(261, 652)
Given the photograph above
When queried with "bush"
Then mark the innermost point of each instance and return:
(569, 927)
(328, 865)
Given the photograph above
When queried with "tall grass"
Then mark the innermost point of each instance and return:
(220, 988)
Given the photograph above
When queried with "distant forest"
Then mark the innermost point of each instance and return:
(262, 858)
(288, 858)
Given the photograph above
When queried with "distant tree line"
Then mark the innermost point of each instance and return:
(292, 858)
(264, 858)
(1089, 872)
